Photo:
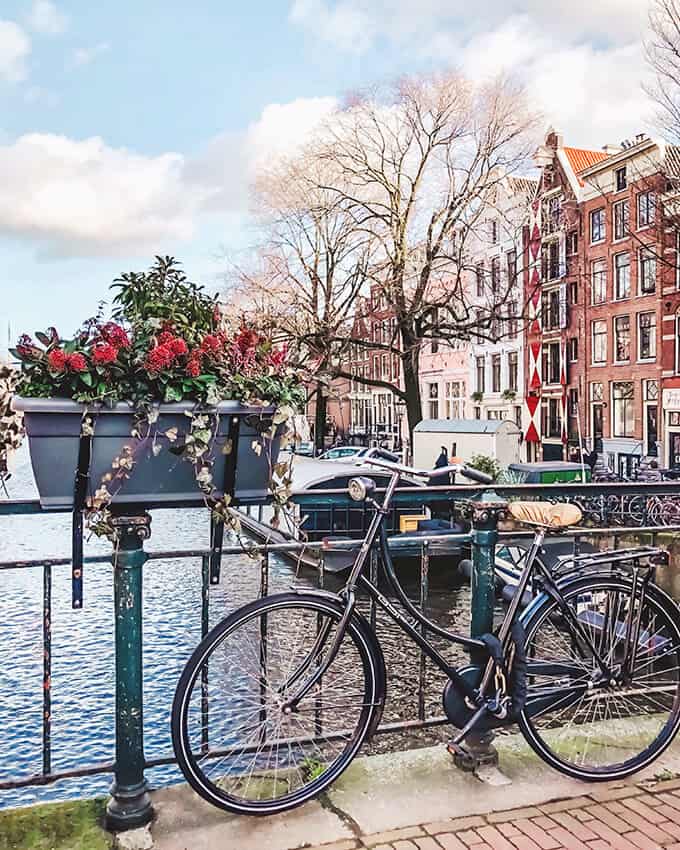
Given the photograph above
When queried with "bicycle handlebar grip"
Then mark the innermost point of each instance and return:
(476, 475)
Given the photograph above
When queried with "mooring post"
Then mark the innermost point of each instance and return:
(130, 804)
(486, 511)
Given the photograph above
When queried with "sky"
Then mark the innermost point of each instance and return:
(131, 129)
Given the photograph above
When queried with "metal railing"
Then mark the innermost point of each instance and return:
(129, 804)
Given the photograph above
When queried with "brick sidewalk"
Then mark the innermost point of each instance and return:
(628, 817)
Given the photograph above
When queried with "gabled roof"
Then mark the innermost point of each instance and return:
(580, 159)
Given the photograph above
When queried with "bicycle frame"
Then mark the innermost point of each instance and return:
(420, 625)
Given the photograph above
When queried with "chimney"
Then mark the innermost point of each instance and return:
(610, 149)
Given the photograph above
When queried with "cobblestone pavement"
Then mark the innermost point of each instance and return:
(645, 816)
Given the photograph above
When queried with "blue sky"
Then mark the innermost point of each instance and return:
(133, 128)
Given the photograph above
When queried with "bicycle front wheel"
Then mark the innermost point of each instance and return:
(590, 725)
(237, 741)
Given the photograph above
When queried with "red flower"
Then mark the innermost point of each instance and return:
(278, 357)
(27, 348)
(165, 338)
(104, 353)
(159, 358)
(194, 366)
(211, 344)
(247, 339)
(57, 360)
(76, 362)
(178, 346)
(115, 335)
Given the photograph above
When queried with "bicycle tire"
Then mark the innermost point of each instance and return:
(609, 732)
(230, 635)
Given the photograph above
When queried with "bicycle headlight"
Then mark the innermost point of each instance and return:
(360, 488)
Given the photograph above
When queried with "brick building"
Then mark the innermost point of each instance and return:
(604, 324)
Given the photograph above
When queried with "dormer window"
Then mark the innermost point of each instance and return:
(621, 178)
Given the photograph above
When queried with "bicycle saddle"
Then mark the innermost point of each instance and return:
(545, 514)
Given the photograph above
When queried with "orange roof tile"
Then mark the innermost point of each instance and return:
(580, 159)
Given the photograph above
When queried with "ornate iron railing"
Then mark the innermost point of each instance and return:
(611, 508)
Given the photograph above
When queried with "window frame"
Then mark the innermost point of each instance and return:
(593, 347)
(621, 225)
(652, 331)
(616, 327)
(616, 269)
(629, 408)
(603, 264)
(602, 229)
(645, 255)
(649, 198)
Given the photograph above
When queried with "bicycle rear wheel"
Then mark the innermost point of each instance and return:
(236, 741)
(577, 720)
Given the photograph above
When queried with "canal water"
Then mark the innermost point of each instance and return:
(83, 648)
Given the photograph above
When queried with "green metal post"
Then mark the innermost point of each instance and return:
(129, 805)
(486, 511)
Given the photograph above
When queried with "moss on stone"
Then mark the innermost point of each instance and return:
(56, 826)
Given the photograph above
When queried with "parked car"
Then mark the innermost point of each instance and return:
(346, 453)
(306, 448)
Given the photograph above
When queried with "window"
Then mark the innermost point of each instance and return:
(647, 271)
(646, 336)
(479, 277)
(621, 219)
(551, 420)
(599, 341)
(511, 265)
(620, 178)
(572, 242)
(651, 390)
(433, 401)
(646, 209)
(551, 260)
(551, 363)
(512, 320)
(597, 225)
(493, 231)
(496, 373)
(623, 409)
(550, 302)
(622, 275)
(572, 349)
(385, 368)
(513, 367)
(573, 292)
(479, 370)
(599, 281)
(453, 399)
(495, 274)
(478, 412)
(572, 403)
(621, 339)
(552, 211)
(518, 416)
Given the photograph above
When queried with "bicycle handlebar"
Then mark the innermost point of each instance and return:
(463, 469)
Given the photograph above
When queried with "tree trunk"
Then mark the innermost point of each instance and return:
(414, 408)
(320, 419)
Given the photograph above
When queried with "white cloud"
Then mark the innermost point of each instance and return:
(83, 197)
(46, 18)
(14, 49)
(581, 61)
(85, 55)
(231, 160)
(347, 25)
(356, 24)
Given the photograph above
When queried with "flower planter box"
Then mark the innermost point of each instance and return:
(53, 426)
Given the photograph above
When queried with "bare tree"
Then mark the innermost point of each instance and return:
(415, 168)
(663, 56)
(312, 264)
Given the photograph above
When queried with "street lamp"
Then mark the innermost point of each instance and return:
(400, 409)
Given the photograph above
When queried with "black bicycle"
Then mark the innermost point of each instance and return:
(294, 683)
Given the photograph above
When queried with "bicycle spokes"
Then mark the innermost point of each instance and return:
(605, 708)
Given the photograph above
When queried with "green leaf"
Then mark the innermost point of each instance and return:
(87, 379)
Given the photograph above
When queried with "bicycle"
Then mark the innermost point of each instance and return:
(589, 670)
